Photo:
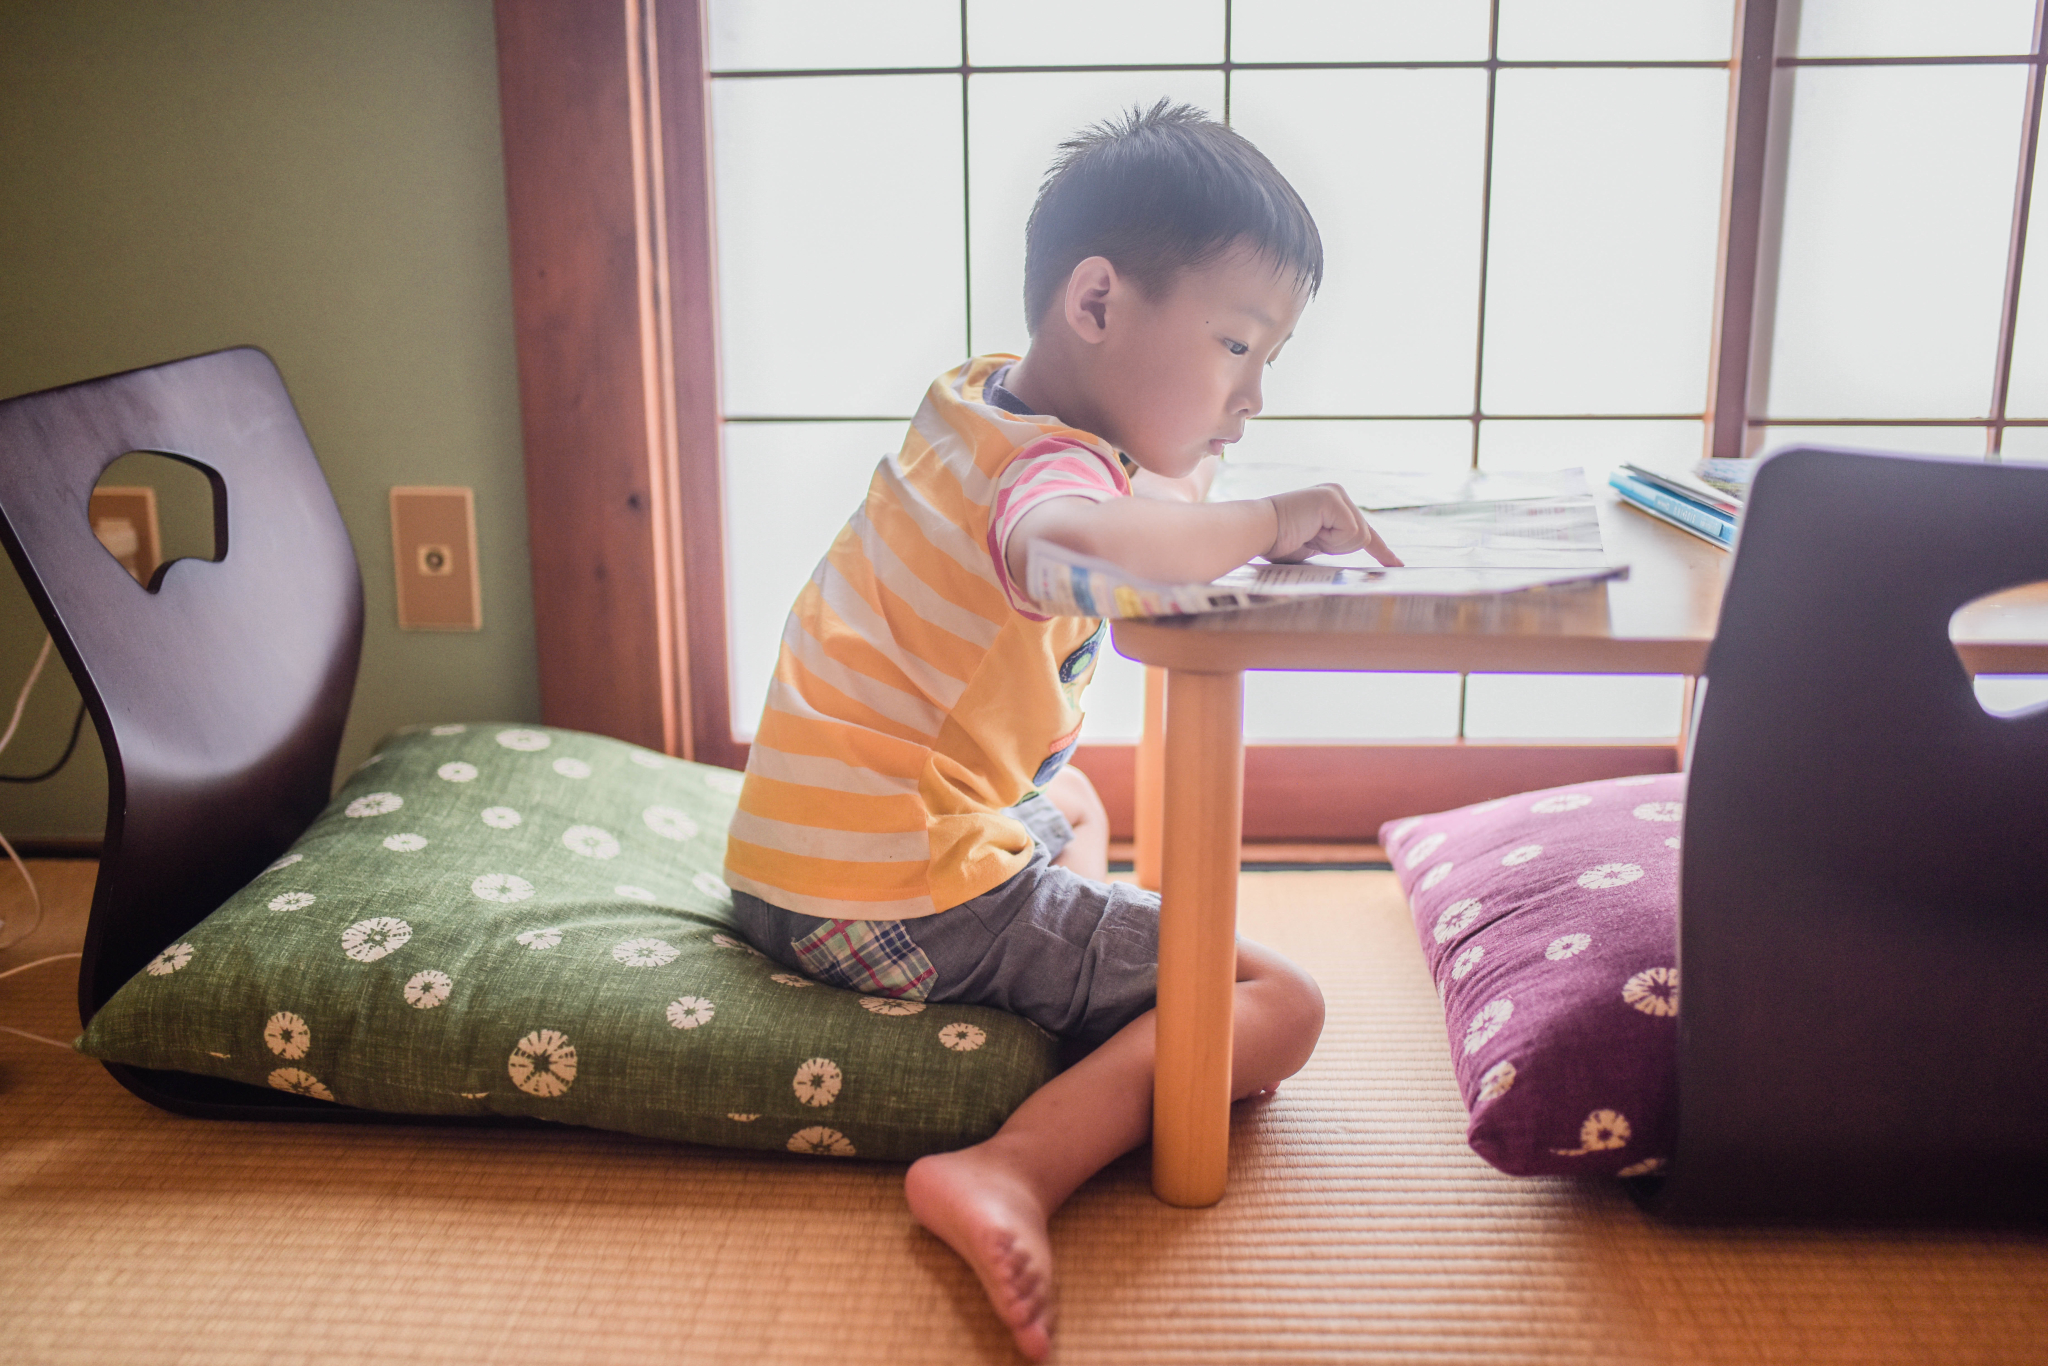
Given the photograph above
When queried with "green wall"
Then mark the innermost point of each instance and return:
(321, 180)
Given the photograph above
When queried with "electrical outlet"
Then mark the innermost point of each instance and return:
(433, 541)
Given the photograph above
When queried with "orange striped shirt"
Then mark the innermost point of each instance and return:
(915, 697)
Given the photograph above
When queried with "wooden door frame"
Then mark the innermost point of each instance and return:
(613, 236)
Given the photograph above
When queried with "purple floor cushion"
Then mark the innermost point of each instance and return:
(1550, 921)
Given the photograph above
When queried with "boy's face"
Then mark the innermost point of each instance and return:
(1177, 378)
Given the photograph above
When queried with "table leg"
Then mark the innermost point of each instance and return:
(1151, 793)
(1204, 813)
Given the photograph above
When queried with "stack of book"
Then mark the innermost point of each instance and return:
(1705, 501)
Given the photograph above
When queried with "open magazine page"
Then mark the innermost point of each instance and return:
(1065, 583)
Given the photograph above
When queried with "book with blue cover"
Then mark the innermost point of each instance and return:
(1708, 514)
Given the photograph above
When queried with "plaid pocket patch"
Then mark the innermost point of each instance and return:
(872, 956)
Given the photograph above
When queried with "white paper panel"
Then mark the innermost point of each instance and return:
(2026, 443)
(1294, 708)
(2011, 694)
(771, 35)
(1377, 446)
(1391, 164)
(840, 257)
(1911, 440)
(1573, 706)
(1016, 126)
(1607, 189)
(789, 487)
(1358, 30)
(2027, 395)
(1898, 207)
(1616, 30)
(1595, 447)
(1093, 32)
(1914, 28)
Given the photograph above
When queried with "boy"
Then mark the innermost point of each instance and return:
(907, 827)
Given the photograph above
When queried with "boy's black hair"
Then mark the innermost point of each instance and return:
(1157, 192)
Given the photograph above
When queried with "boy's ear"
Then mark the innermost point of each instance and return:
(1089, 289)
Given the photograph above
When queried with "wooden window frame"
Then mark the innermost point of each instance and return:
(606, 125)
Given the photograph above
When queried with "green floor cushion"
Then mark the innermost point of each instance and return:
(526, 921)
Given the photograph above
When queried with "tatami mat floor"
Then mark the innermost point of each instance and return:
(1358, 1228)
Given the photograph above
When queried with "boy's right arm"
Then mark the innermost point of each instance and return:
(1172, 542)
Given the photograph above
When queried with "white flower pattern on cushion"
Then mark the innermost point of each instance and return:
(1567, 946)
(1561, 803)
(724, 780)
(169, 961)
(456, 771)
(1519, 855)
(632, 893)
(375, 804)
(291, 901)
(446, 730)
(428, 989)
(711, 885)
(646, 953)
(1467, 961)
(1400, 832)
(1423, 848)
(287, 861)
(1671, 842)
(1603, 1130)
(525, 741)
(287, 1035)
(1660, 811)
(668, 822)
(368, 940)
(1455, 919)
(688, 1012)
(405, 844)
(300, 1083)
(1654, 991)
(962, 1037)
(818, 1141)
(1609, 875)
(817, 1081)
(890, 1005)
(790, 979)
(572, 768)
(539, 940)
(1642, 1168)
(1496, 1081)
(1487, 1023)
(501, 887)
(543, 1063)
(1435, 876)
(590, 842)
(647, 760)
(1639, 780)
(726, 941)
(740, 1117)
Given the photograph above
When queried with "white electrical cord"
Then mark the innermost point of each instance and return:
(39, 1038)
(35, 897)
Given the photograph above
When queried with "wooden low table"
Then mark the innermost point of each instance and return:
(1660, 620)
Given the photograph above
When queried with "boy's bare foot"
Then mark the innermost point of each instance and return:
(987, 1214)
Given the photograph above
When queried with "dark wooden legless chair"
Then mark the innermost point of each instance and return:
(220, 690)
(1863, 932)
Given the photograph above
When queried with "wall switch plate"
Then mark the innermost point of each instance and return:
(124, 520)
(433, 537)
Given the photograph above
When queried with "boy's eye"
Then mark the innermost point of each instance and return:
(1236, 348)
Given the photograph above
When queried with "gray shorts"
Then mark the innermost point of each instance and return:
(1076, 957)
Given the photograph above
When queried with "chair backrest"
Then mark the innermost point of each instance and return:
(1864, 889)
(220, 690)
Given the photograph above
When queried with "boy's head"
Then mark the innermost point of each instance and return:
(1156, 193)
(1165, 265)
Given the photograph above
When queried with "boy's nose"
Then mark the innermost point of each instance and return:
(1251, 398)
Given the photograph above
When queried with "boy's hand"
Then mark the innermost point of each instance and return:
(1322, 521)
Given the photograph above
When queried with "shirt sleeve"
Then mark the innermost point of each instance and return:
(1053, 468)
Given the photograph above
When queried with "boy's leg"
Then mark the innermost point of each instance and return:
(991, 1202)
(1088, 852)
